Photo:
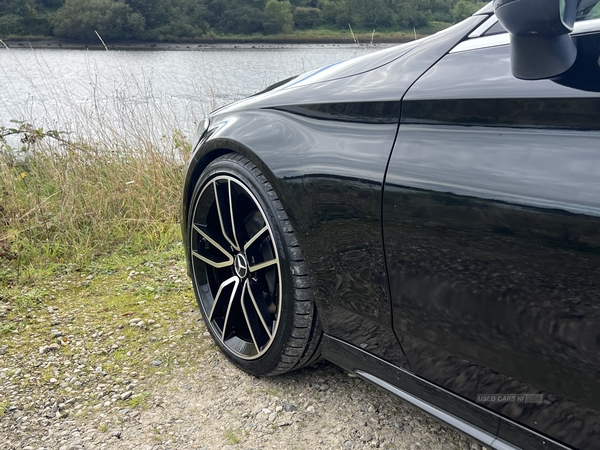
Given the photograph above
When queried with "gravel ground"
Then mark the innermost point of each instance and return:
(119, 359)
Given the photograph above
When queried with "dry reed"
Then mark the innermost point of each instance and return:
(108, 180)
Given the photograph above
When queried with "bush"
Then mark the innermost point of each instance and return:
(11, 24)
(278, 17)
(306, 17)
(81, 19)
(244, 20)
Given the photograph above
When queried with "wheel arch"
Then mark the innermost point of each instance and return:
(207, 152)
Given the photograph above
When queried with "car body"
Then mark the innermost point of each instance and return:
(443, 219)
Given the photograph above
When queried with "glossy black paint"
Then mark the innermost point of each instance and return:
(492, 260)
(492, 231)
(314, 154)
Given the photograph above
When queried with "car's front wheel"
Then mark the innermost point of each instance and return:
(248, 272)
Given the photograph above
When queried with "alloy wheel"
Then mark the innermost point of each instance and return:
(236, 267)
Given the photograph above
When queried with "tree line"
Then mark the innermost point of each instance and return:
(191, 19)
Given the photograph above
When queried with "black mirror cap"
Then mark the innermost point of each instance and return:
(539, 36)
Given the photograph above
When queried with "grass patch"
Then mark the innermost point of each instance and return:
(138, 400)
(231, 436)
(3, 406)
(6, 328)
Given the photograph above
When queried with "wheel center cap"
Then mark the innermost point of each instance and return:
(241, 265)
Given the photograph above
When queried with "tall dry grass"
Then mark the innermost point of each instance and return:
(65, 202)
(108, 180)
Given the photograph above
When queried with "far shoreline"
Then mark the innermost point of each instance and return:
(203, 44)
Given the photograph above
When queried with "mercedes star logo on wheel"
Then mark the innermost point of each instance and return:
(241, 266)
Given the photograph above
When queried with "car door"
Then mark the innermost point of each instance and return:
(491, 219)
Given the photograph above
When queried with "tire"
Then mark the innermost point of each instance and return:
(248, 273)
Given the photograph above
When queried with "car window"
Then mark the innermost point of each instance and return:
(588, 10)
(497, 28)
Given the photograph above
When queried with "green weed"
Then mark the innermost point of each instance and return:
(231, 436)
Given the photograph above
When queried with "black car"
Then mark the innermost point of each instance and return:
(427, 217)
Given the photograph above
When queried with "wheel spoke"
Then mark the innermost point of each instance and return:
(221, 210)
(261, 314)
(231, 299)
(244, 289)
(237, 244)
(218, 296)
(263, 265)
(255, 237)
(217, 264)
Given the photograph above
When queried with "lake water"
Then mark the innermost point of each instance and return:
(128, 93)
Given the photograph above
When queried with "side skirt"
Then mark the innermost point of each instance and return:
(462, 415)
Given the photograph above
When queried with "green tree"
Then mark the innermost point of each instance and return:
(464, 8)
(112, 19)
(234, 16)
(413, 14)
(51, 4)
(305, 17)
(334, 12)
(278, 17)
(244, 20)
(9, 7)
(441, 10)
(156, 12)
(11, 24)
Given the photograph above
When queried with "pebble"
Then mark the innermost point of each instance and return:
(289, 407)
(156, 363)
(125, 395)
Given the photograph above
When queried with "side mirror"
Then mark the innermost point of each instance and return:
(540, 45)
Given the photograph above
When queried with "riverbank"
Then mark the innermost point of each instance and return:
(187, 46)
(235, 41)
